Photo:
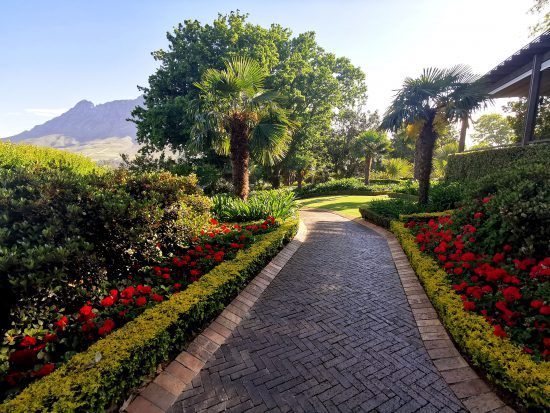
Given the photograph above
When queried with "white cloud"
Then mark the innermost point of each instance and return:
(47, 113)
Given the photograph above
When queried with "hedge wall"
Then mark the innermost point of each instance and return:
(474, 165)
(95, 379)
(504, 362)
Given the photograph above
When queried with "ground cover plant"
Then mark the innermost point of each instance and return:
(39, 350)
(277, 203)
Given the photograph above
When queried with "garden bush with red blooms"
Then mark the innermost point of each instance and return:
(511, 290)
(31, 356)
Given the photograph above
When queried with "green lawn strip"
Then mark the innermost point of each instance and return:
(347, 205)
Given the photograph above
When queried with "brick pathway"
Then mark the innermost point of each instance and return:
(332, 332)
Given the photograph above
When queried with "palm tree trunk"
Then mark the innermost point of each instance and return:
(425, 145)
(240, 157)
(416, 170)
(462, 141)
(300, 177)
(368, 166)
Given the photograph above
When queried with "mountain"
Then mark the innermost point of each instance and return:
(98, 131)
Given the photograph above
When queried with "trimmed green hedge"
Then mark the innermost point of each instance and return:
(374, 217)
(504, 362)
(470, 166)
(127, 355)
(21, 155)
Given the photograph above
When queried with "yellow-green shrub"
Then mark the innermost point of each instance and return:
(132, 352)
(21, 155)
(504, 362)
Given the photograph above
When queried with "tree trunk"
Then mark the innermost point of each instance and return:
(240, 156)
(425, 145)
(300, 178)
(416, 173)
(275, 176)
(368, 166)
(462, 141)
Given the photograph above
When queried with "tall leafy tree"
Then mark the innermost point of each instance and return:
(437, 97)
(493, 130)
(372, 144)
(314, 85)
(241, 118)
(517, 111)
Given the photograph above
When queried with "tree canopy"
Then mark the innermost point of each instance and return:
(493, 129)
(313, 85)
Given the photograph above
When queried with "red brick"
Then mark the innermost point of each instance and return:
(142, 405)
(170, 383)
(190, 361)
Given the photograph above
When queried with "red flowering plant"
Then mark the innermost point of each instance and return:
(37, 353)
(510, 290)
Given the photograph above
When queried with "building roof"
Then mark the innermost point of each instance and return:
(510, 78)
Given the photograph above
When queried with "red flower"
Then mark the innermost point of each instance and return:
(44, 370)
(469, 305)
(458, 271)
(478, 215)
(234, 245)
(141, 301)
(214, 221)
(195, 273)
(486, 199)
(218, 256)
(28, 341)
(114, 293)
(107, 327)
(468, 256)
(499, 331)
(511, 294)
(144, 289)
(62, 323)
(537, 303)
(498, 257)
(157, 297)
(507, 248)
(86, 312)
(545, 310)
(108, 301)
(48, 338)
(177, 286)
(128, 292)
(23, 358)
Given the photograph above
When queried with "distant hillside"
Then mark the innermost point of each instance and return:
(86, 121)
(98, 131)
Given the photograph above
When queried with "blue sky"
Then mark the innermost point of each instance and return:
(55, 53)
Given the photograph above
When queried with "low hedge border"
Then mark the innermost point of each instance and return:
(374, 217)
(100, 376)
(424, 216)
(504, 362)
(359, 192)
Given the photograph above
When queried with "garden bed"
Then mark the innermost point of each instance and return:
(96, 378)
(488, 325)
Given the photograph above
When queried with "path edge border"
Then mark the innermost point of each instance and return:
(159, 395)
(463, 380)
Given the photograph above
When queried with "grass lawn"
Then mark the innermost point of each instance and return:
(348, 205)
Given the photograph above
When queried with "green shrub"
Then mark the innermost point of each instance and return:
(132, 352)
(276, 203)
(63, 233)
(355, 186)
(519, 209)
(445, 195)
(20, 155)
(473, 165)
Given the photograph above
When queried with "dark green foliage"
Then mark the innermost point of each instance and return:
(520, 206)
(276, 203)
(355, 186)
(445, 196)
(470, 166)
(63, 233)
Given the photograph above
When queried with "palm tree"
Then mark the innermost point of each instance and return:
(437, 97)
(373, 144)
(240, 118)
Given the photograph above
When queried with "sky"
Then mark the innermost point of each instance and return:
(56, 53)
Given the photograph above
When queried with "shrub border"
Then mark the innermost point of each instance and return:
(100, 376)
(504, 362)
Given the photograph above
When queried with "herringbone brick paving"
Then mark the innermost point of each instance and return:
(333, 332)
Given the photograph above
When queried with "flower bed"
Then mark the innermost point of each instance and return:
(493, 302)
(46, 348)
